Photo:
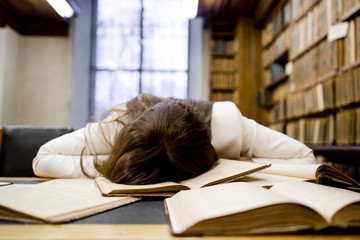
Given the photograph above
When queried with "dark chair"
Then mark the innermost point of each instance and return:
(19, 146)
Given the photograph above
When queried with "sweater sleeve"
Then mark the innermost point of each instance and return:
(234, 135)
(61, 157)
(266, 145)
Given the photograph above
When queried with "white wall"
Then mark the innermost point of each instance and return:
(34, 79)
(9, 80)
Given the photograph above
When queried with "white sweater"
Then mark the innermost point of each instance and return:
(233, 135)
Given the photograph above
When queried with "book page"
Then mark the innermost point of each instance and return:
(107, 187)
(305, 171)
(187, 208)
(324, 199)
(58, 200)
(268, 180)
(5, 183)
(225, 171)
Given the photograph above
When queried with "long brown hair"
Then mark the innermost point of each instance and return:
(165, 140)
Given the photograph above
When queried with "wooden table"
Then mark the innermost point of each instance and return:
(10, 231)
(133, 231)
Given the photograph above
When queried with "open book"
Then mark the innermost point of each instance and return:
(320, 173)
(54, 201)
(243, 208)
(224, 171)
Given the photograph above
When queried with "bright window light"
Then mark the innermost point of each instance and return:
(190, 8)
(62, 7)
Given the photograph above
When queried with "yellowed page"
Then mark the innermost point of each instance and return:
(58, 200)
(268, 180)
(226, 170)
(5, 183)
(324, 199)
(307, 171)
(189, 207)
(109, 188)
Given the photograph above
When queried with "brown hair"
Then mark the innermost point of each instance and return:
(165, 140)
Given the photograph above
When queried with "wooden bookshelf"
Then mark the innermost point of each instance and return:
(234, 63)
(223, 62)
(312, 78)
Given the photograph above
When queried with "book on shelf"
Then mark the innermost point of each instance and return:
(220, 95)
(314, 131)
(347, 87)
(241, 208)
(346, 127)
(264, 97)
(357, 37)
(223, 64)
(55, 201)
(276, 70)
(224, 171)
(223, 46)
(350, 45)
(317, 98)
(223, 81)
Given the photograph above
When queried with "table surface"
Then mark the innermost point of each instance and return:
(129, 231)
(98, 227)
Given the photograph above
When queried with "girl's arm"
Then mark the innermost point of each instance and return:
(269, 146)
(61, 157)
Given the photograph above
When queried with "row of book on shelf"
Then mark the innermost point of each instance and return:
(340, 128)
(335, 99)
(327, 57)
(313, 26)
(223, 64)
(335, 92)
(219, 96)
(324, 59)
(310, 22)
(223, 80)
(292, 10)
(224, 46)
(342, 90)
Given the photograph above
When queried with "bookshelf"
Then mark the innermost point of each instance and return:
(311, 72)
(311, 75)
(223, 62)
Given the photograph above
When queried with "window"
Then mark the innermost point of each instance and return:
(141, 47)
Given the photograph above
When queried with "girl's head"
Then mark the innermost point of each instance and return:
(167, 142)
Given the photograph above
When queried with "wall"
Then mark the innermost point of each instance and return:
(198, 60)
(35, 79)
(9, 42)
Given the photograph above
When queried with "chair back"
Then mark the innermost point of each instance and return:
(20, 145)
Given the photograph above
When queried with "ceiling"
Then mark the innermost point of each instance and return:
(36, 17)
(32, 17)
(258, 10)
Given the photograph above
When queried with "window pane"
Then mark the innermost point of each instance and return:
(165, 84)
(139, 35)
(165, 53)
(118, 34)
(112, 88)
(165, 43)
